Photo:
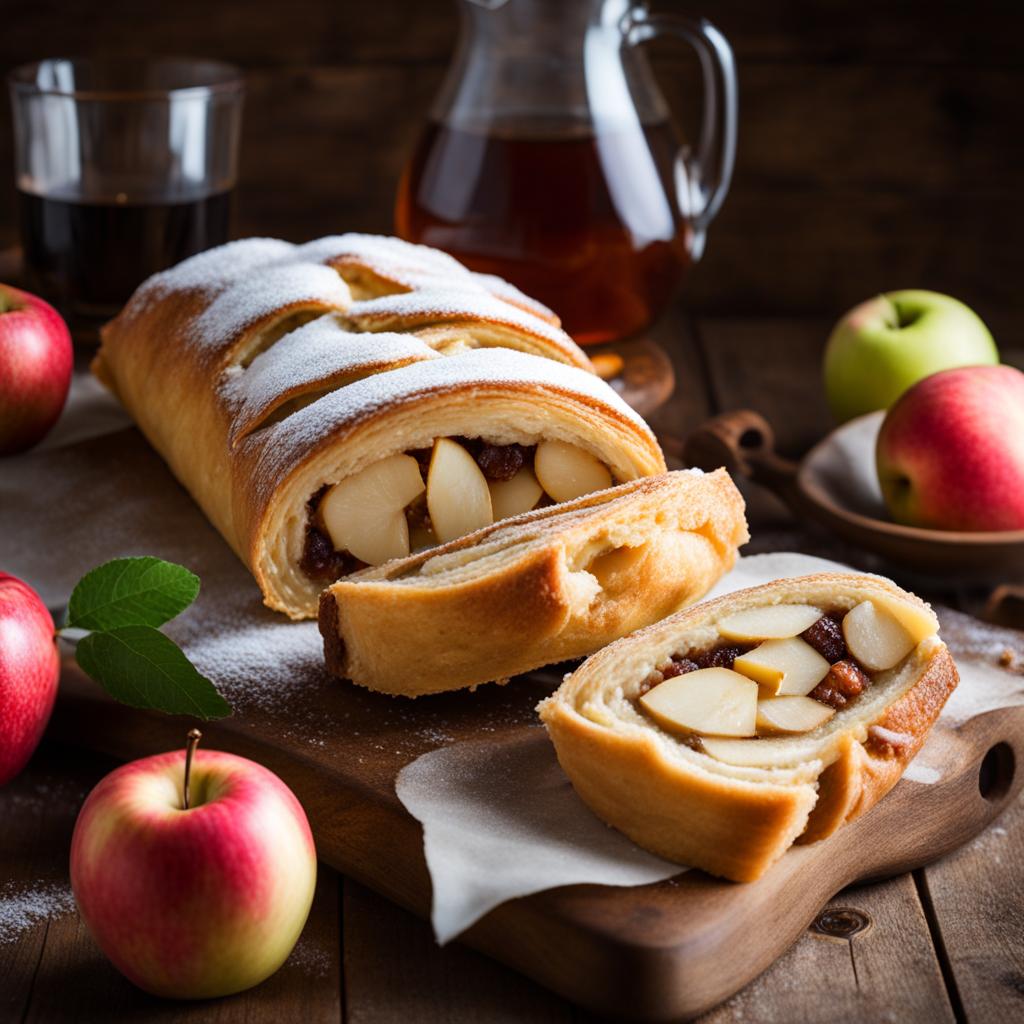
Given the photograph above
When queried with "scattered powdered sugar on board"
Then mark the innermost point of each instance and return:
(992, 842)
(989, 659)
(259, 659)
(313, 960)
(967, 635)
(34, 795)
(24, 906)
(923, 773)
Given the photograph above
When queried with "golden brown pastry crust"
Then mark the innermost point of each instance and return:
(263, 371)
(541, 587)
(729, 820)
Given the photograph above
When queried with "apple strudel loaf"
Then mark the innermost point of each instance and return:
(545, 586)
(337, 404)
(723, 734)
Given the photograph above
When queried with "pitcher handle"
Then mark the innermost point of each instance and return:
(705, 179)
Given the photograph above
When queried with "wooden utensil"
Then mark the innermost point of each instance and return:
(744, 443)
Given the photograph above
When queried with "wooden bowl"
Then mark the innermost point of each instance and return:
(835, 485)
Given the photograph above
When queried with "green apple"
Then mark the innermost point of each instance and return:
(886, 344)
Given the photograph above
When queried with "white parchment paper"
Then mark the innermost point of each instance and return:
(496, 828)
(503, 823)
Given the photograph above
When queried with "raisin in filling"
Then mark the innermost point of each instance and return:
(845, 681)
(678, 667)
(721, 656)
(321, 562)
(826, 637)
(501, 461)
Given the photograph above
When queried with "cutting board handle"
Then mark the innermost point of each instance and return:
(744, 442)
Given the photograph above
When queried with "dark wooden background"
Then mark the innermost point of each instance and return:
(880, 144)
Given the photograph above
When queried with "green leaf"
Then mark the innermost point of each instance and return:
(131, 592)
(138, 665)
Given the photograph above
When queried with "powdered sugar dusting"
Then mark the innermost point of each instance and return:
(428, 305)
(286, 442)
(24, 906)
(382, 251)
(923, 773)
(507, 291)
(968, 636)
(316, 352)
(248, 300)
(211, 271)
(313, 960)
(249, 281)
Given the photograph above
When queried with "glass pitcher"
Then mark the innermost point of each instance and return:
(550, 158)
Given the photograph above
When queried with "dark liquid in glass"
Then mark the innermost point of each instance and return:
(88, 256)
(581, 220)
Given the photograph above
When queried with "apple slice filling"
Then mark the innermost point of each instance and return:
(781, 670)
(414, 500)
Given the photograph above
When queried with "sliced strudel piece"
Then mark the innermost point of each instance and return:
(722, 735)
(548, 585)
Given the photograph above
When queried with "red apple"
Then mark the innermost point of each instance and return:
(200, 900)
(36, 359)
(29, 669)
(950, 453)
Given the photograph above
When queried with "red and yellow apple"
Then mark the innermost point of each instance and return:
(884, 345)
(29, 670)
(198, 901)
(950, 453)
(36, 360)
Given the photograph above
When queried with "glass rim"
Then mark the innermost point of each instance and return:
(23, 79)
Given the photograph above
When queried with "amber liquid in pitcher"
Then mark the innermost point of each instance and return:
(582, 220)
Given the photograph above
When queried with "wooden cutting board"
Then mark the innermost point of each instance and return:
(657, 952)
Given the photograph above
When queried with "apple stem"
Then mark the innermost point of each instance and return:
(192, 741)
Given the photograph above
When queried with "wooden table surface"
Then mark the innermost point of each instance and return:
(943, 943)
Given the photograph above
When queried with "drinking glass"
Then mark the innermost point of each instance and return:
(123, 167)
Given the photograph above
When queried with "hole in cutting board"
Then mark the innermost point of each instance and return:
(996, 772)
(841, 922)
